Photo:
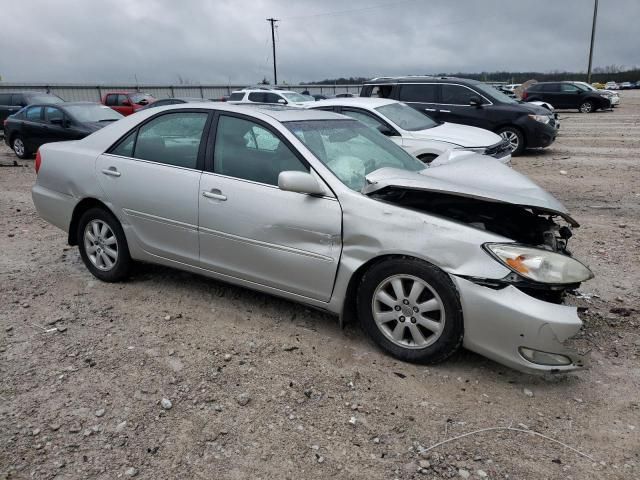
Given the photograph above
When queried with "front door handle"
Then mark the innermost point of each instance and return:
(430, 109)
(445, 111)
(215, 194)
(111, 171)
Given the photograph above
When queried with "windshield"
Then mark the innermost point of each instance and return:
(351, 150)
(494, 93)
(93, 113)
(406, 117)
(138, 97)
(45, 99)
(296, 97)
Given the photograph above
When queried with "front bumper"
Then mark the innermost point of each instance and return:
(498, 323)
(540, 135)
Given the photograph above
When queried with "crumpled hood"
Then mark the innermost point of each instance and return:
(477, 177)
(462, 135)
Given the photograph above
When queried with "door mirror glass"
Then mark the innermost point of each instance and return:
(386, 131)
(282, 101)
(300, 182)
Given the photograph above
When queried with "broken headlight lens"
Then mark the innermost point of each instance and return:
(539, 265)
(540, 118)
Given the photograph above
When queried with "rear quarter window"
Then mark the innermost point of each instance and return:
(236, 97)
(426, 92)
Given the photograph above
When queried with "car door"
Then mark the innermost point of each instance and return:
(151, 179)
(455, 105)
(424, 97)
(58, 126)
(33, 127)
(570, 95)
(374, 122)
(252, 230)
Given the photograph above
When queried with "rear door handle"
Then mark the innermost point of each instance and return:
(215, 194)
(430, 109)
(445, 111)
(111, 171)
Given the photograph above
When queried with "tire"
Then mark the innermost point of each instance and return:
(427, 158)
(587, 107)
(397, 325)
(19, 147)
(99, 236)
(515, 138)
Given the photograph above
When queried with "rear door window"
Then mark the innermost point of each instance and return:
(5, 99)
(419, 92)
(551, 87)
(257, 97)
(18, 100)
(33, 114)
(172, 139)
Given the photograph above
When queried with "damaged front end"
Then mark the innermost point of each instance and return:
(517, 320)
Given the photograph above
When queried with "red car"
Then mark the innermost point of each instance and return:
(127, 102)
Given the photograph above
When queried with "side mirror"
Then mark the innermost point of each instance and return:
(300, 182)
(475, 102)
(386, 131)
(144, 101)
(282, 101)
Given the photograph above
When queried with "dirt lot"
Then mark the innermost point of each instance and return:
(263, 388)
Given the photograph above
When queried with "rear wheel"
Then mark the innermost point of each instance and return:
(19, 147)
(411, 310)
(515, 138)
(586, 107)
(103, 246)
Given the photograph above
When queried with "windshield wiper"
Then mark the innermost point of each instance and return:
(108, 120)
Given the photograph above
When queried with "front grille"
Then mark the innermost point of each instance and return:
(499, 150)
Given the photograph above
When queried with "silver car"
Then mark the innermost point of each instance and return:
(318, 208)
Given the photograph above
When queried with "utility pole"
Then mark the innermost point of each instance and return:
(593, 34)
(273, 21)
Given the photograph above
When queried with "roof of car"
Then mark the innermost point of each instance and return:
(64, 104)
(256, 89)
(371, 102)
(27, 92)
(185, 99)
(419, 79)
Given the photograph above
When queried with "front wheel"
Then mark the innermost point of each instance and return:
(514, 137)
(411, 310)
(586, 107)
(103, 246)
(19, 147)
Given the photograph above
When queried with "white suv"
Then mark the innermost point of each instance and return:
(270, 95)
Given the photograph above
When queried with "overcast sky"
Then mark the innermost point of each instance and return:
(226, 41)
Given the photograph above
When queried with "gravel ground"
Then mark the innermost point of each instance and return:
(172, 375)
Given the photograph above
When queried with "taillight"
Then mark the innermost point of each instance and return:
(524, 95)
(6, 120)
(38, 161)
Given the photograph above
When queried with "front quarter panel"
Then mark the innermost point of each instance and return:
(373, 228)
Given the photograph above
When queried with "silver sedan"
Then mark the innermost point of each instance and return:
(318, 208)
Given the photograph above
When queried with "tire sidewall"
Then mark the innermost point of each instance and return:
(122, 265)
(453, 332)
(585, 103)
(520, 149)
(25, 153)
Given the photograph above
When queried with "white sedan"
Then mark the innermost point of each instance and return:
(417, 133)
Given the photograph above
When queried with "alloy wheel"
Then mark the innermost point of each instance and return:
(101, 245)
(18, 147)
(512, 138)
(586, 107)
(408, 311)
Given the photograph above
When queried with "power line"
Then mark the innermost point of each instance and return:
(340, 12)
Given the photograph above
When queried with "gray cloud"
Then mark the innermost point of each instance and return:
(229, 41)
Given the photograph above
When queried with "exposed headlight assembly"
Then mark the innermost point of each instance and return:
(539, 265)
(540, 118)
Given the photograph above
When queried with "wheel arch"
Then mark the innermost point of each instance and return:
(82, 206)
(514, 126)
(349, 309)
